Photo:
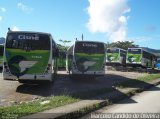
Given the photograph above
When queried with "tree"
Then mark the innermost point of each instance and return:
(63, 47)
(122, 44)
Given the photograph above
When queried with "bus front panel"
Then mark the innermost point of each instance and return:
(89, 57)
(134, 56)
(112, 55)
(27, 54)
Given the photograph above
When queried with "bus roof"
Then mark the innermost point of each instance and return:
(89, 41)
(82, 41)
(29, 32)
(135, 48)
(117, 48)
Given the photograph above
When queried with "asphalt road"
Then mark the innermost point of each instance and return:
(11, 91)
(142, 103)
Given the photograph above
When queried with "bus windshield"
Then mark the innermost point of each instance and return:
(89, 47)
(113, 50)
(28, 41)
(134, 51)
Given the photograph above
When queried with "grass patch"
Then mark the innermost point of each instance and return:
(143, 79)
(27, 108)
(149, 77)
(35, 106)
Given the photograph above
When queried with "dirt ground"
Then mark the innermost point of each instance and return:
(12, 91)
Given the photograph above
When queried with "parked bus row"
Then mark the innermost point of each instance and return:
(133, 57)
(34, 57)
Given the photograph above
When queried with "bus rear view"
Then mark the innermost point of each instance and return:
(115, 57)
(134, 57)
(28, 56)
(87, 58)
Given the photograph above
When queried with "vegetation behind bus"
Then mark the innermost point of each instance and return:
(122, 44)
(61, 60)
(62, 53)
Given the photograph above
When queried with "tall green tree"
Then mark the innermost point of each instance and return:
(122, 44)
(63, 46)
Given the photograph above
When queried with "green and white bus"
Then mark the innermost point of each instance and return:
(30, 56)
(86, 58)
(115, 56)
(1, 55)
(140, 57)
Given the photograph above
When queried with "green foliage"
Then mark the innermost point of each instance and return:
(121, 44)
(131, 83)
(35, 106)
(149, 77)
(62, 47)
